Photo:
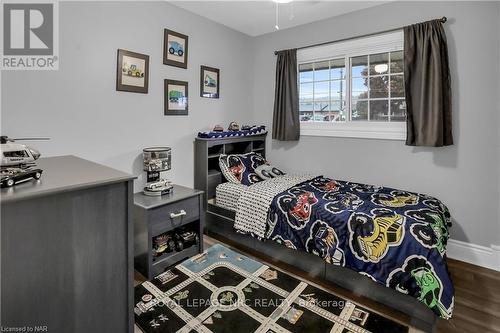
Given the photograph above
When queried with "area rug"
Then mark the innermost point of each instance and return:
(224, 291)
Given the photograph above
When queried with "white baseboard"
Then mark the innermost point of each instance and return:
(484, 256)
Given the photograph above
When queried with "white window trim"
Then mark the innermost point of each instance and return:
(388, 42)
(355, 129)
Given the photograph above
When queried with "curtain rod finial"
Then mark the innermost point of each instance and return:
(444, 19)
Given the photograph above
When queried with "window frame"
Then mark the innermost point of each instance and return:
(382, 43)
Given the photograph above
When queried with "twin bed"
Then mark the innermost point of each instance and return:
(383, 243)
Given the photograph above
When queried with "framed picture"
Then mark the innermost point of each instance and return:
(132, 72)
(209, 82)
(176, 98)
(175, 49)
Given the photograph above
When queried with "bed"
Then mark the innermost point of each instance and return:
(227, 195)
(335, 230)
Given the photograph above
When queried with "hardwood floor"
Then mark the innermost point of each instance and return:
(477, 299)
(477, 295)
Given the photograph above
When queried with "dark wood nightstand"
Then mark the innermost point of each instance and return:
(154, 216)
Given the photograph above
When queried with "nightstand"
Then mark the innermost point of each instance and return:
(166, 215)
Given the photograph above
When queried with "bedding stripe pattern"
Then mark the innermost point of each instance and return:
(254, 203)
(227, 195)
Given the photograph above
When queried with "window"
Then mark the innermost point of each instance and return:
(353, 88)
(16, 153)
(322, 91)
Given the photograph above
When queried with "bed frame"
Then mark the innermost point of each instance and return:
(220, 221)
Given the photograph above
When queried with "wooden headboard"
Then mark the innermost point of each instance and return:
(207, 174)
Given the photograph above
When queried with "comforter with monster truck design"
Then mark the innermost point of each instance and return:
(396, 238)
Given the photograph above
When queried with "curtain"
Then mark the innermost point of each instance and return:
(286, 125)
(427, 85)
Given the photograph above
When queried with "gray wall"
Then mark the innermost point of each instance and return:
(466, 175)
(79, 108)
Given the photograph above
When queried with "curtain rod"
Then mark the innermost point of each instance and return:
(442, 20)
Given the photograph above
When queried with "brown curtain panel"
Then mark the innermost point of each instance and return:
(286, 125)
(427, 85)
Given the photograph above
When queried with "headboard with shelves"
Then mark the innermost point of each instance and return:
(207, 174)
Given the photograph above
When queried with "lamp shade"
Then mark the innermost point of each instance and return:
(157, 159)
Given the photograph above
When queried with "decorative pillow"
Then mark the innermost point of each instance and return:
(240, 168)
(267, 171)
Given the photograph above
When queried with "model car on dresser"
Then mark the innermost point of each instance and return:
(18, 162)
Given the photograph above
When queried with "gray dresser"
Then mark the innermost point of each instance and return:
(67, 249)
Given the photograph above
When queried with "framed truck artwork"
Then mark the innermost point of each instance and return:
(175, 49)
(209, 82)
(176, 98)
(132, 72)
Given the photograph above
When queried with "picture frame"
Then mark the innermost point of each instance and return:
(209, 82)
(175, 49)
(176, 98)
(132, 72)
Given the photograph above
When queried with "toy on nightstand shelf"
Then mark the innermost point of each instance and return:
(156, 160)
(17, 164)
(163, 243)
(185, 239)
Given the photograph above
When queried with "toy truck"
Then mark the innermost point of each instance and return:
(175, 48)
(185, 239)
(209, 81)
(174, 96)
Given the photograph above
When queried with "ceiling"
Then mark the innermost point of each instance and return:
(256, 18)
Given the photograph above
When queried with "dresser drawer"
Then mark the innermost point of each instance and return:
(174, 215)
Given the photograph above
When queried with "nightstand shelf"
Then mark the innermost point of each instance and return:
(172, 258)
(153, 216)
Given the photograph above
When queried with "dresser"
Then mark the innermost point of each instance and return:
(67, 249)
(181, 210)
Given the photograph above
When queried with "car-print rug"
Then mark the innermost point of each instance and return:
(224, 291)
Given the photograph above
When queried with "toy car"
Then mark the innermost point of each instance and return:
(233, 126)
(11, 176)
(163, 243)
(185, 239)
(174, 47)
(218, 128)
(163, 186)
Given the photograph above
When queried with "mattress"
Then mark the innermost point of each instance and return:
(227, 195)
